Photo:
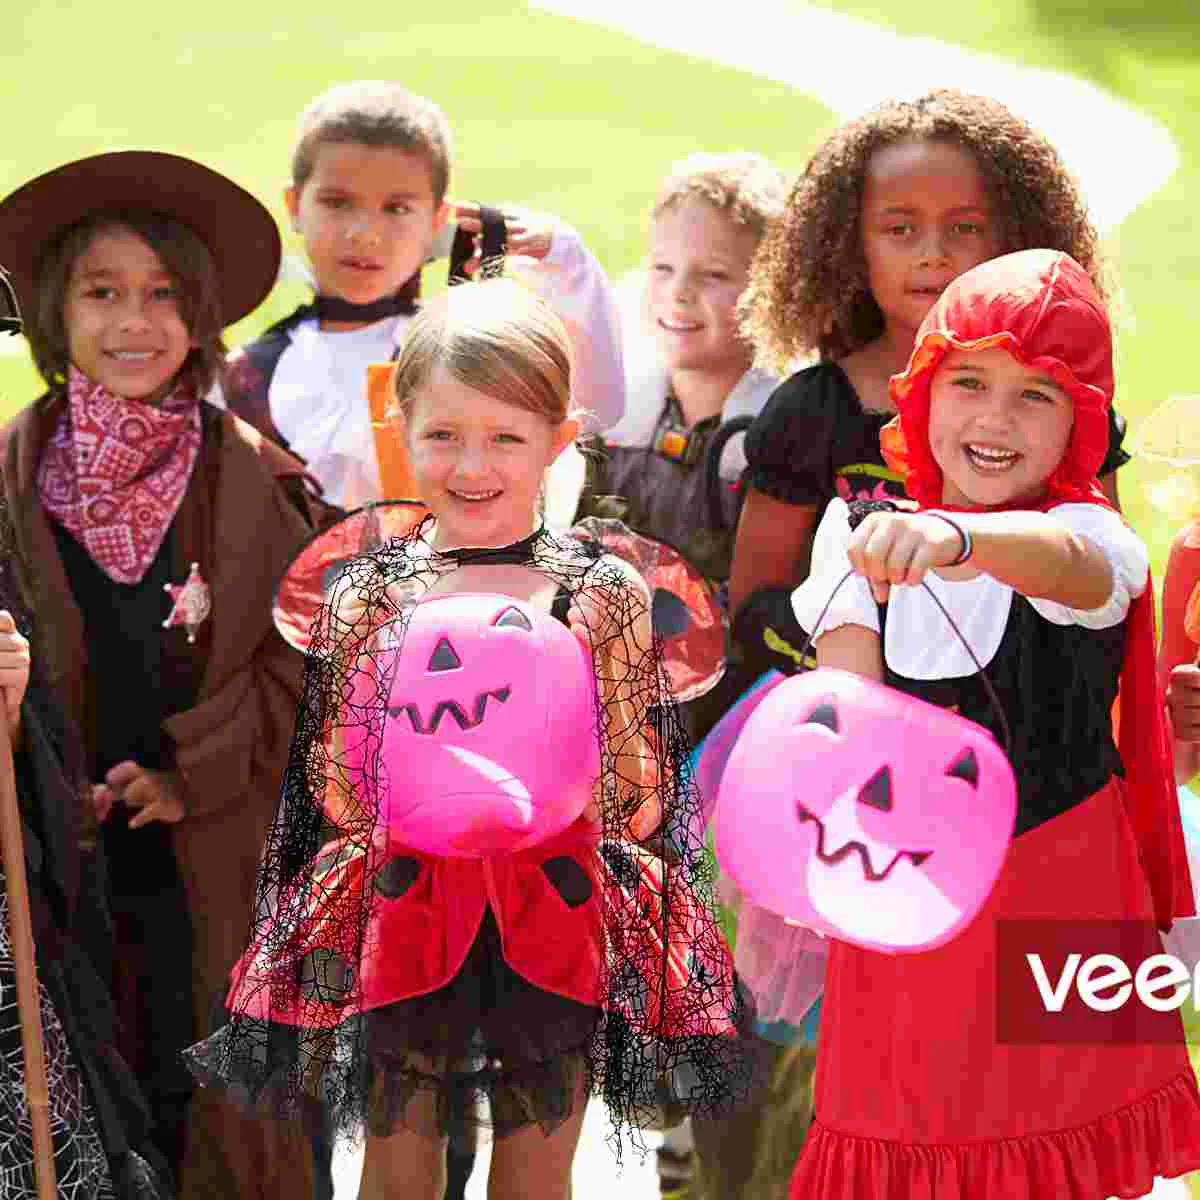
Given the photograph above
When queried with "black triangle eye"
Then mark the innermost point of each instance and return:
(877, 791)
(443, 657)
(824, 714)
(514, 618)
(965, 766)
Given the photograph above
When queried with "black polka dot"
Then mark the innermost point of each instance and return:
(396, 876)
(570, 880)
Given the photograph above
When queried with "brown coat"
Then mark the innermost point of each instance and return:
(246, 511)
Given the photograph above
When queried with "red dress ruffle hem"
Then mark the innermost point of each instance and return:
(918, 1098)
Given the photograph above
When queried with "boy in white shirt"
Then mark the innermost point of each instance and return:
(369, 176)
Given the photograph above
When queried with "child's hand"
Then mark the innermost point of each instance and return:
(580, 630)
(102, 801)
(530, 234)
(158, 794)
(14, 669)
(1183, 702)
(889, 548)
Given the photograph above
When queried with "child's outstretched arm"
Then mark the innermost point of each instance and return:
(839, 611)
(852, 648)
(571, 281)
(1178, 674)
(1037, 554)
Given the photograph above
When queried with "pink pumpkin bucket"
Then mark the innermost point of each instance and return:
(490, 740)
(865, 814)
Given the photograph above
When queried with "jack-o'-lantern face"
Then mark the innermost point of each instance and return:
(864, 813)
(445, 658)
(490, 740)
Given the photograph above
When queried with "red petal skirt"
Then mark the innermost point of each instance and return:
(918, 1097)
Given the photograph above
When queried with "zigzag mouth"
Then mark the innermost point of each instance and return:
(916, 857)
(465, 720)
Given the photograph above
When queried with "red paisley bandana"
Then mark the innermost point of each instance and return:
(114, 472)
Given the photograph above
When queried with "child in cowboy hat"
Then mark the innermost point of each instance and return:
(154, 526)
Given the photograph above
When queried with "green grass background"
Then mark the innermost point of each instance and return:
(580, 121)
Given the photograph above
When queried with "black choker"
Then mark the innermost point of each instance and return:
(517, 552)
(401, 304)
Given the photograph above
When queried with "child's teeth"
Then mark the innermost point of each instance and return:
(992, 455)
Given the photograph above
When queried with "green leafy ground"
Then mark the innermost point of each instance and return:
(580, 121)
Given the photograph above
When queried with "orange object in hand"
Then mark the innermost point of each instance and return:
(395, 471)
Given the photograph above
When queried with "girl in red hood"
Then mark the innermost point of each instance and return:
(982, 1082)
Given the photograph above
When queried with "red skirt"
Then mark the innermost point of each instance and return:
(917, 1096)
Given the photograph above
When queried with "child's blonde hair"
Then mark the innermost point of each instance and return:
(496, 337)
(745, 187)
(377, 113)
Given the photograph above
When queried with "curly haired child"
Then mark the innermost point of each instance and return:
(891, 208)
(671, 469)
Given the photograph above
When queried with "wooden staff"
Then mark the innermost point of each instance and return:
(37, 1090)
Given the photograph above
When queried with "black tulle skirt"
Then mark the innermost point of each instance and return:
(489, 1047)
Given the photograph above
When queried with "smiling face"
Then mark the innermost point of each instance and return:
(122, 320)
(996, 428)
(927, 217)
(699, 266)
(479, 462)
(368, 217)
(865, 814)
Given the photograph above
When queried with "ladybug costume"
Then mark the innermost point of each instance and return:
(379, 973)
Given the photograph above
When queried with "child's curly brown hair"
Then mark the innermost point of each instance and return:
(808, 280)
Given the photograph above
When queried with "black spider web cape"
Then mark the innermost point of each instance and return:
(664, 1039)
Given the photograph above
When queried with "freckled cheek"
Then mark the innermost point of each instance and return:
(425, 464)
(656, 295)
(943, 437)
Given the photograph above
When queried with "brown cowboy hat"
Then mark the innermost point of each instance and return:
(239, 232)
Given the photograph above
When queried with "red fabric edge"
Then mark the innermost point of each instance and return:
(1118, 1154)
(1150, 797)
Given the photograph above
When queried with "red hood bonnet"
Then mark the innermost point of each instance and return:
(1041, 307)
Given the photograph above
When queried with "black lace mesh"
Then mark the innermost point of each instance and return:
(663, 1042)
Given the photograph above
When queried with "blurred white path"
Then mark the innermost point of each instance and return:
(850, 65)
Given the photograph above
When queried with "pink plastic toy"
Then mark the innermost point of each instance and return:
(489, 745)
(865, 814)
